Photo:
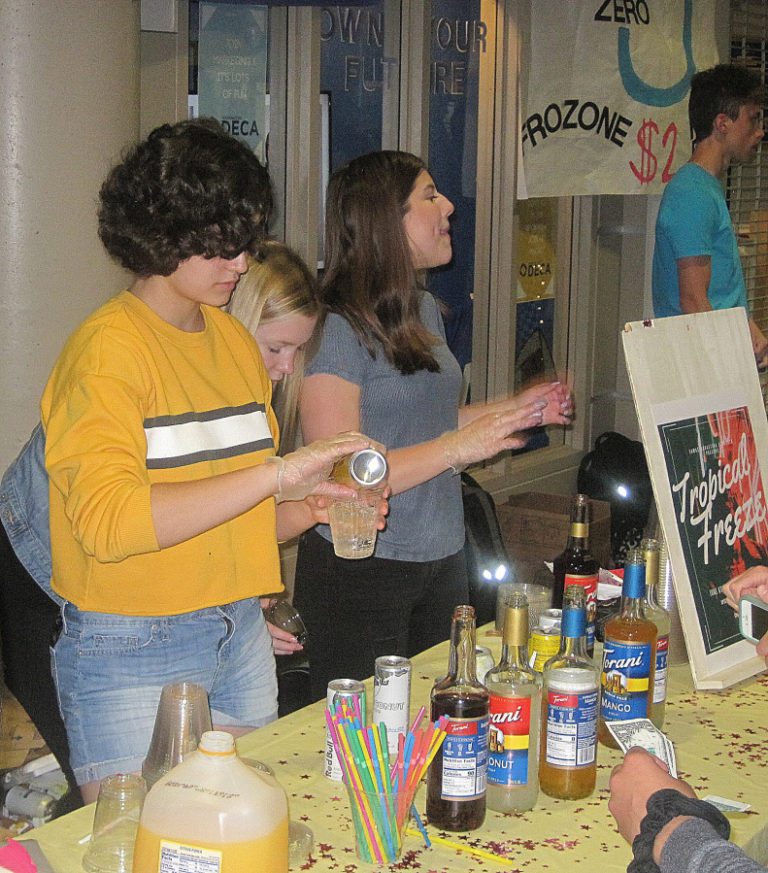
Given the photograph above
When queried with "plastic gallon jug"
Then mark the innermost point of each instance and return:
(212, 812)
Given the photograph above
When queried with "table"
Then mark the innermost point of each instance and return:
(719, 740)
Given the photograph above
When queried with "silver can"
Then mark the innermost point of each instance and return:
(341, 691)
(364, 469)
(392, 697)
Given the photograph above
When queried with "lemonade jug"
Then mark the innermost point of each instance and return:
(213, 812)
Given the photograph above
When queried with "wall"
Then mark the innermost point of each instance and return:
(69, 84)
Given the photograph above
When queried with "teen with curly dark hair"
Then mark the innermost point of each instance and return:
(160, 444)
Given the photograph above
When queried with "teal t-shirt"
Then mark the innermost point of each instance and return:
(694, 220)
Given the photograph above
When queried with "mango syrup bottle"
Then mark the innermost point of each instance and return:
(629, 655)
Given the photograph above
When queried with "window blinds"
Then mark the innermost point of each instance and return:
(747, 185)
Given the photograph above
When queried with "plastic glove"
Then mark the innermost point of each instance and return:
(490, 434)
(306, 470)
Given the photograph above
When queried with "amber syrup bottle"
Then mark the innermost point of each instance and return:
(660, 617)
(629, 655)
(568, 756)
(456, 782)
(576, 566)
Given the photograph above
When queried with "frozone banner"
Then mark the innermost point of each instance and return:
(605, 88)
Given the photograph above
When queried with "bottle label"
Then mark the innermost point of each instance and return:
(571, 728)
(543, 647)
(625, 680)
(179, 858)
(589, 584)
(510, 739)
(465, 758)
(660, 676)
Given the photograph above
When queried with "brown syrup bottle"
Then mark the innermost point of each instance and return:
(456, 794)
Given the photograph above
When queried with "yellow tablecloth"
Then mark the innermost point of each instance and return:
(719, 738)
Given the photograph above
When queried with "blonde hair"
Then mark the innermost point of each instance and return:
(277, 285)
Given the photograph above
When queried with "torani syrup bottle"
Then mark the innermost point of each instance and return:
(660, 617)
(456, 781)
(568, 757)
(629, 655)
(576, 566)
(513, 760)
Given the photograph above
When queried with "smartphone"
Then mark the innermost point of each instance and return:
(753, 617)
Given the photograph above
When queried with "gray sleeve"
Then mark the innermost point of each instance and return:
(340, 353)
(695, 847)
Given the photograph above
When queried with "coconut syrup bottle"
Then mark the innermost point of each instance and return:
(629, 655)
(568, 756)
(456, 782)
(576, 566)
(513, 761)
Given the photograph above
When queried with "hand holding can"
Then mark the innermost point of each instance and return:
(354, 521)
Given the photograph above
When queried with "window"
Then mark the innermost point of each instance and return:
(438, 78)
(747, 185)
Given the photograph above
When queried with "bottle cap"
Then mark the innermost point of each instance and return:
(634, 574)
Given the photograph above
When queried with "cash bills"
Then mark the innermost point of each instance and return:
(726, 805)
(644, 733)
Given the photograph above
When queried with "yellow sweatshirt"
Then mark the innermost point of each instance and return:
(132, 401)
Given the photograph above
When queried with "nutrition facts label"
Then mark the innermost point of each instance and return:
(178, 858)
(571, 728)
(465, 758)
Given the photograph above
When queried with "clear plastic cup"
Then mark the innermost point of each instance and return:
(353, 524)
(115, 824)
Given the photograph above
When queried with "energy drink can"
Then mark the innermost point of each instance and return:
(341, 691)
(392, 696)
(364, 469)
(545, 639)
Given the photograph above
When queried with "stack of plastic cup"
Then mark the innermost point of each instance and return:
(183, 715)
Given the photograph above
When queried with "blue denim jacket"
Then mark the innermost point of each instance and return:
(24, 511)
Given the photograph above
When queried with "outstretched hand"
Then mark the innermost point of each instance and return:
(491, 433)
(559, 408)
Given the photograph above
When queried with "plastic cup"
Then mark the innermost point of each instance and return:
(115, 824)
(379, 822)
(353, 524)
(183, 715)
(539, 599)
(283, 614)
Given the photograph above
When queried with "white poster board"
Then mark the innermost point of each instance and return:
(704, 428)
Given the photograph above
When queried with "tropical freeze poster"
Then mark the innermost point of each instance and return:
(720, 509)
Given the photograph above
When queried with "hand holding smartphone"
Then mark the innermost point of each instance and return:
(753, 617)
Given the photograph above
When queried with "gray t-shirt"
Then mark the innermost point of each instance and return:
(425, 523)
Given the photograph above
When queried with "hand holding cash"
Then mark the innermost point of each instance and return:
(643, 732)
(632, 782)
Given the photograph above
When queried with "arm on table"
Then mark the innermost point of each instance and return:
(687, 843)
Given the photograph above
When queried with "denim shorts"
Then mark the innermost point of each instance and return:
(109, 672)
